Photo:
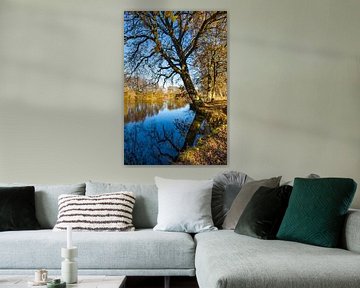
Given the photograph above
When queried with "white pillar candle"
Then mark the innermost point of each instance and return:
(69, 237)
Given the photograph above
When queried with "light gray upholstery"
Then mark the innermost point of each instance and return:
(146, 204)
(225, 259)
(139, 250)
(107, 272)
(46, 200)
(351, 233)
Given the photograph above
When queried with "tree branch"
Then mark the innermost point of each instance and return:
(193, 44)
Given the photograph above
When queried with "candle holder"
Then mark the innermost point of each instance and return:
(69, 271)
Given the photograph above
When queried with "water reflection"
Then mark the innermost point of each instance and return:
(155, 132)
(138, 110)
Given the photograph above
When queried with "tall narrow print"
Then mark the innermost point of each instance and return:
(175, 88)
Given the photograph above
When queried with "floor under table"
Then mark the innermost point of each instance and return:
(158, 282)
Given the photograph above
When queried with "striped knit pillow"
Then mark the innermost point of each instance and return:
(105, 212)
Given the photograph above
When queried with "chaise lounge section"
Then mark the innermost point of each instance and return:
(225, 259)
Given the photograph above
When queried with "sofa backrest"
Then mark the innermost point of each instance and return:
(146, 203)
(46, 200)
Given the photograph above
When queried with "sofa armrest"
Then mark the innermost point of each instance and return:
(351, 234)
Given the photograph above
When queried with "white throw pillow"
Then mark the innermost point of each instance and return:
(184, 205)
(104, 212)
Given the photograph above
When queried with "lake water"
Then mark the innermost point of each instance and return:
(154, 133)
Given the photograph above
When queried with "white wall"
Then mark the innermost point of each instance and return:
(294, 69)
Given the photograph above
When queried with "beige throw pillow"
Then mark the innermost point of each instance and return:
(243, 198)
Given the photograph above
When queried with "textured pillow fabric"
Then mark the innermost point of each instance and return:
(243, 198)
(316, 211)
(106, 212)
(146, 205)
(184, 205)
(226, 187)
(17, 209)
(263, 214)
(46, 200)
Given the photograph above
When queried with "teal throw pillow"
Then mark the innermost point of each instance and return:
(316, 211)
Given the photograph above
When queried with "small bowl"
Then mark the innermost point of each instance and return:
(56, 283)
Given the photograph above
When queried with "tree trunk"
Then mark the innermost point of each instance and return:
(190, 89)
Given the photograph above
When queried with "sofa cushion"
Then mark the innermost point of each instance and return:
(146, 205)
(225, 189)
(46, 200)
(184, 205)
(350, 239)
(142, 249)
(317, 209)
(263, 214)
(243, 198)
(105, 212)
(17, 208)
(225, 259)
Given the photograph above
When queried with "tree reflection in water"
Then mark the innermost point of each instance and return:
(155, 136)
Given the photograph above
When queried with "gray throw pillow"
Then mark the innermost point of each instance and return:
(46, 200)
(226, 187)
(184, 205)
(243, 198)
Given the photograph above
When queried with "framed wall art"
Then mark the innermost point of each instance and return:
(175, 88)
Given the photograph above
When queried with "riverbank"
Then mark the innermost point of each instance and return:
(211, 149)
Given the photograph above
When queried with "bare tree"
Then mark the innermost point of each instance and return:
(211, 62)
(162, 44)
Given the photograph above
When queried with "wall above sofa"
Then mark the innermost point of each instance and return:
(294, 75)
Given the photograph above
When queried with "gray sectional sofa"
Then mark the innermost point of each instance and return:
(219, 259)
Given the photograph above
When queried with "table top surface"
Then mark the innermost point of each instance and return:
(84, 281)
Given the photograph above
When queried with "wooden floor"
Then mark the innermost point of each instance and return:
(158, 282)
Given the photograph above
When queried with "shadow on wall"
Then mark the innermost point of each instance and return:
(38, 142)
